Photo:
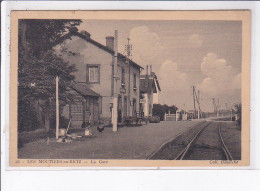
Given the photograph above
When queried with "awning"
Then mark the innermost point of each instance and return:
(82, 89)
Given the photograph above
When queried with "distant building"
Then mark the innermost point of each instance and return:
(94, 85)
(149, 91)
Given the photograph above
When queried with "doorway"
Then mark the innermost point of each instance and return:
(119, 109)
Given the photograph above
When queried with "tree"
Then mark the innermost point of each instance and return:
(238, 108)
(160, 110)
(38, 35)
(38, 66)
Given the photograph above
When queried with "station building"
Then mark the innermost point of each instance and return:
(93, 87)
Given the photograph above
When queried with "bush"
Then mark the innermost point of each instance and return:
(27, 119)
(238, 108)
(160, 110)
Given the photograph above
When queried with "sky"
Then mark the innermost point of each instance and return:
(204, 54)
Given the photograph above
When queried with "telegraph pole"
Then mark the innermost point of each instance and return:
(226, 112)
(198, 104)
(214, 104)
(231, 113)
(57, 108)
(218, 108)
(114, 113)
(128, 49)
(196, 98)
(194, 102)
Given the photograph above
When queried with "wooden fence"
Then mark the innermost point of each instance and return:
(169, 117)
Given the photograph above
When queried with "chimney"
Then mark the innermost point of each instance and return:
(110, 42)
(147, 70)
(151, 69)
(85, 34)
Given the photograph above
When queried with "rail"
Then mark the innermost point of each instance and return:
(186, 149)
(224, 147)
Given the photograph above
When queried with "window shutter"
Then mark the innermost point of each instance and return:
(95, 71)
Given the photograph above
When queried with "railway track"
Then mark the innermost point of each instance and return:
(183, 155)
(224, 147)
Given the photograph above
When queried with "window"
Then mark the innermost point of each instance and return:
(135, 81)
(93, 73)
(123, 77)
(119, 102)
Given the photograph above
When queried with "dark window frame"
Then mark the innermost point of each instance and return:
(135, 81)
(119, 102)
(122, 75)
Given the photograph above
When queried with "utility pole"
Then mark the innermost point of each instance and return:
(194, 102)
(231, 113)
(226, 112)
(128, 49)
(114, 112)
(218, 108)
(196, 98)
(214, 105)
(198, 104)
(57, 108)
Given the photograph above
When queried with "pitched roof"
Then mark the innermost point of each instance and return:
(83, 89)
(157, 82)
(147, 81)
(99, 45)
(146, 85)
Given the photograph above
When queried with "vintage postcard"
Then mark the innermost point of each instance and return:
(130, 89)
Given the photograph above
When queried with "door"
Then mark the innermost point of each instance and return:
(76, 114)
(87, 111)
(141, 110)
(95, 110)
(134, 107)
(91, 111)
(125, 106)
(119, 109)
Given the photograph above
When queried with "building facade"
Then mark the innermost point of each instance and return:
(149, 90)
(94, 64)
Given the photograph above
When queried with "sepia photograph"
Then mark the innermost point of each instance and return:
(130, 88)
